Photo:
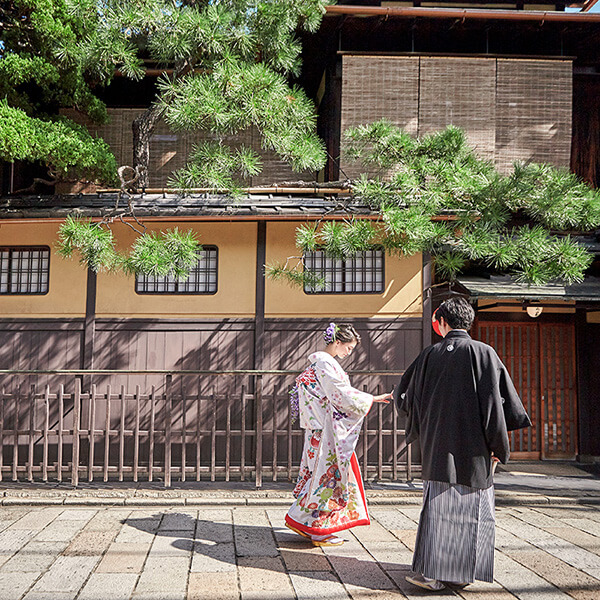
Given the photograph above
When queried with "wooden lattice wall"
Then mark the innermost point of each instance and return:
(169, 150)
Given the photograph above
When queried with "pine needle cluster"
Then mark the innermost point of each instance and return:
(159, 254)
(433, 194)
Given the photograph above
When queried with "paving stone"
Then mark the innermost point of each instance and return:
(67, 574)
(570, 553)
(14, 585)
(392, 519)
(172, 543)
(308, 559)
(90, 543)
(412, 592)
(253, 533)
(12, 540)
(179, 521)
(219, 586)
(138, 529)
(37, 519)
(262, 574)
(50, 596)
(373, 533)
(166, 575)
(166, 595)
(107, 520)
(355, 566)
(318, 586)
(538, 518)
(10, 501)
(390, 555)
(108, 586)
(124, 558)
(358, 592)
(35, 557)
(485, 591)
(572, 581)
(210, 557)
(74, 514)
(217, 527)
(586, 525)
(60, 531)
(522, 582)
(577, 537)
(411, 513)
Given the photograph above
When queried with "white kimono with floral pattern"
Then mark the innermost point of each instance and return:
(329, 492)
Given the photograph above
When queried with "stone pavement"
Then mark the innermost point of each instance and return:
(544, 552)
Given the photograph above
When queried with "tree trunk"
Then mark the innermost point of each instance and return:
(143, 127)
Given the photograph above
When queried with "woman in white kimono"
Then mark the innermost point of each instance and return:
(329, 492)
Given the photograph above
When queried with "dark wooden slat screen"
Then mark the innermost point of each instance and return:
(46, 433)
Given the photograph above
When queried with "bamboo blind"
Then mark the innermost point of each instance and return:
(511, 109)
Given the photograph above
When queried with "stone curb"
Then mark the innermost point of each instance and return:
(409, 499)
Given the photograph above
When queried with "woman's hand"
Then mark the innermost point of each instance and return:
(383, 398)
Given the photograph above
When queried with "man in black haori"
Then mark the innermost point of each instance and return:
(460, 403)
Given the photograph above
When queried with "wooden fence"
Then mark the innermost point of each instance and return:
(62, 432)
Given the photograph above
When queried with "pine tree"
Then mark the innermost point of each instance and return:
(226, 68)
(39, 74)
(435, 195)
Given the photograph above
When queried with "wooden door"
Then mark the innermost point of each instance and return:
(540, 358)
(559, 396)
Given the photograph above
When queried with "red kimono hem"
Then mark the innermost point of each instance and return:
(320, 531)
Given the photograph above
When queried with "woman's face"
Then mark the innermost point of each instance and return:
(343, 349)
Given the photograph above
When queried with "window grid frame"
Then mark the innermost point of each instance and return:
(346, 267)
(205, 274)
(27, 281)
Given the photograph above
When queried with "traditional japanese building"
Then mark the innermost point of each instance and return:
(521, 80)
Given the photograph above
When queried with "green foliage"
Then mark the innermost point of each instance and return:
(230, 65)
(40, 73)
(295, 276)
(67, 149)
(213, 165)
(166, 253)
(435, 195)
(94, 244)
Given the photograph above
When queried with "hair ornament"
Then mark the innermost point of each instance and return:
(329, 334)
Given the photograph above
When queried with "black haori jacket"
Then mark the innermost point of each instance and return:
(460, 403)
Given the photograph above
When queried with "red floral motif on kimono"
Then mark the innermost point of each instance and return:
(307, 377)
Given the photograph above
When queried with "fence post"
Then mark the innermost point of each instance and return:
(76, 413)
(259, 430)
(168, 424)
(46, 431)
(31, 432)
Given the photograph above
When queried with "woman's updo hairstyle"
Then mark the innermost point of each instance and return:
(342, 332)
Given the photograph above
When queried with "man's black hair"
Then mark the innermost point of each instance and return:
(457, 312)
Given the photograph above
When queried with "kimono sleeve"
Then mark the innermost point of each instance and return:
(500, 405)
(404, 396)
(514, 412)
(340, 393)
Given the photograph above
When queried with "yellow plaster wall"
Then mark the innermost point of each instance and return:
(236, 243)
(67, 282)
(401, 296)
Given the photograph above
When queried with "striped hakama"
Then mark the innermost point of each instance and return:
(455, 538)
